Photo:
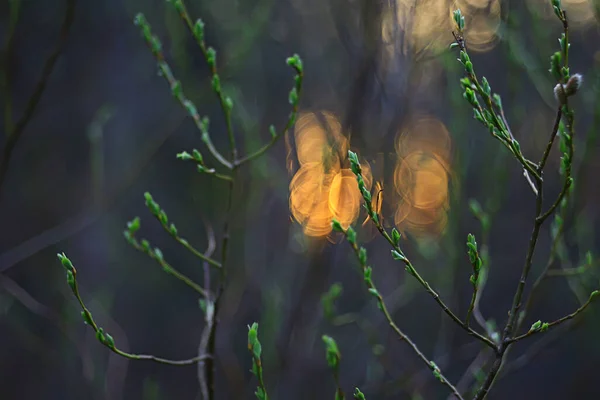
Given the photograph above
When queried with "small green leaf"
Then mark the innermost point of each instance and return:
(398, 256)
(336, 226)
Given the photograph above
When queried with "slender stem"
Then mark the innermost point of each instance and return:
(563, 193)
(513, 314)
(558, 321)
(471, 306)
(183, 12)
(487, 384)
(382, 306)
(194, 251)
(168, 268)
(435, 295)
(551, 141)
(107, 340)
(217, 175)
(290, 122)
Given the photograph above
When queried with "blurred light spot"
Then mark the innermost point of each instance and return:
(414, 26)
(422, 176)
(579, 12)
(324, 187)
(480, 34)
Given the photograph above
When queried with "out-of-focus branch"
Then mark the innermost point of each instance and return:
(15, 133)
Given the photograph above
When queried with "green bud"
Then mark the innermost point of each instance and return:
(216, 83)
(184, 155)
(459, 20)
(362, 256)
(351, 235)
(395, 237)
(485, 85)
(293, 97)
(336, 226)
(199, 30)
(358, 395)
(176, 89)
(66, 263)
(332, 353)
(109, 341)
(211, 57)
(71, 280)
(197, 156)
(229, 103)
(253, 343)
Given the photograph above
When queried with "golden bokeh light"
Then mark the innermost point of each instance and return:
(422, 176)
(324, 187)
(580, 12)
(413, 26)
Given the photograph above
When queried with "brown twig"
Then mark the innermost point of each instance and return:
(559, 321)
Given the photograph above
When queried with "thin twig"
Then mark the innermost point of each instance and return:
(542, 163)
(103, 337)
(434, 294)
(182, 9)
(18, 129)
(167, 267)
(165, 70)
(536, 348)
(557, 322)
(382, 306)
(540, 217)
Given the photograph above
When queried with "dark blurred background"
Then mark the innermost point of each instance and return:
(380, 77)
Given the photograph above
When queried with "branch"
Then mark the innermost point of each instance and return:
(296, 63)
(361, 254)
(171, 229)
(399, 255)
(197, 30)
(542, 327)
(16, 133)
(542, 162)
(105, 338)
(156, 254)
(165, 70)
